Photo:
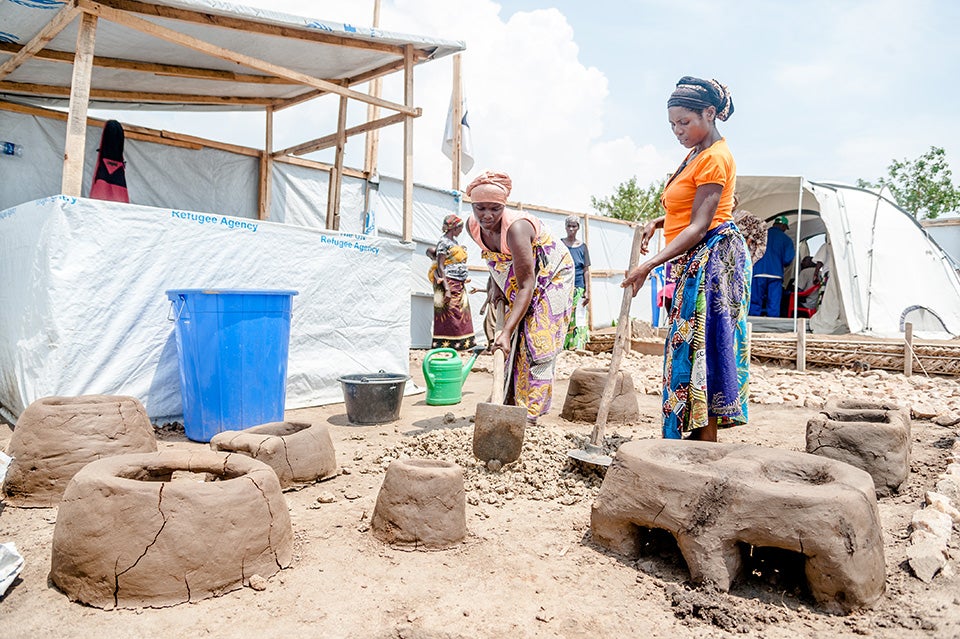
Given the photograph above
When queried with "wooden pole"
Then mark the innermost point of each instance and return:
(408, 145)
(589, 282)
(620, 341)
(336, 174)
(908, 349)
(72, 179)
(802, 344)
(456, 117)
(372, 148)
(266, 168)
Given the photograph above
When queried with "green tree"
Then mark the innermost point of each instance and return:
(631, 202)
(922, 187)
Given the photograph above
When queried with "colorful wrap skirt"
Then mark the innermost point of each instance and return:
(577, 332)
(706, 365)
(452, 320)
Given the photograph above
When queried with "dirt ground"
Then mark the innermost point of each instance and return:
(527, 568)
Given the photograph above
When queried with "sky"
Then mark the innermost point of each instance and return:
(569, 97)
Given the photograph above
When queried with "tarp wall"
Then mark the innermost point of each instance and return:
(83, 307)
(226, 183)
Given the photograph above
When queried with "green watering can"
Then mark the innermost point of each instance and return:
(445, 375)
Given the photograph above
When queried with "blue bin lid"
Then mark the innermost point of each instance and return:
(175, 292)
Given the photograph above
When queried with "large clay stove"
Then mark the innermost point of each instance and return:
(713, 498)
(129, 535)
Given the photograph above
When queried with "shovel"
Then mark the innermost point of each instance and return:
(498, 429)
(592, 452)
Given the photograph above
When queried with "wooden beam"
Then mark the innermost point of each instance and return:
(908, 349)
(328, 141)
(72, 178)
(373, 74)
(336, 175)
(252, 26)
(61, 19)
(802, 344)
(313, 164)
(131, 96)
(372, 143)
(155, 30)
(456, 117)
(266, 170)
(173, 70)
(408, 147)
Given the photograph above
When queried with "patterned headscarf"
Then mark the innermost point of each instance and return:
(450, 222)
(490, 186)
(754, 232)
(696, 94)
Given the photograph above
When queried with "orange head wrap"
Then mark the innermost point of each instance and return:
(490, 186)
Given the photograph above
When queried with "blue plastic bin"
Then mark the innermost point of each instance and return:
(233, 346)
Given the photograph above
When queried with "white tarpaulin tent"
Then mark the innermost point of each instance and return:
(83, 309)
(884, 270)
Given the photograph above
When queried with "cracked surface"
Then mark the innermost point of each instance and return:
(170, 541)
(57, 436)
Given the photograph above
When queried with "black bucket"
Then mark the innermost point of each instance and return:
(373, 398)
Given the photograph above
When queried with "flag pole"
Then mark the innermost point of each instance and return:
(457, 122)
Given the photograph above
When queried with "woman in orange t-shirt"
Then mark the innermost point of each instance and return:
(706, 360)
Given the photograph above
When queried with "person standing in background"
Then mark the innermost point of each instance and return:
(452, 322)
(767, 287)
(578, 332)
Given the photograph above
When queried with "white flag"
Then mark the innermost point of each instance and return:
(466, 143)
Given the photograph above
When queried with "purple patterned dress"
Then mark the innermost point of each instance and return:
(544, 327)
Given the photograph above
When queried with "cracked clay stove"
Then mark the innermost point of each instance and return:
(57, 436)
(131, 533)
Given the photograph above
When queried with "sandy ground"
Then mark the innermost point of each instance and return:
(528, 567)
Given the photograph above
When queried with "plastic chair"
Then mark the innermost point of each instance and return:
(793, 309)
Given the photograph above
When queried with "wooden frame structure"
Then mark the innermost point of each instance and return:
(286, 61)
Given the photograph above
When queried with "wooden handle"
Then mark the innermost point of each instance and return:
(496, 395)
(623, 334)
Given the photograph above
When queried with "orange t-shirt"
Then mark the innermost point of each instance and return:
(714, 165)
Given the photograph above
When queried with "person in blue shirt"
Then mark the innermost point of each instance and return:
(767, 287)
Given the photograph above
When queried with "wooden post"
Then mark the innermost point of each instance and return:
(373, 112)
(589, 282)
(72, 179)
(456, 117)
(802, 344)
(908, 349)
(408, 145)
(336, 173)
(266, 169)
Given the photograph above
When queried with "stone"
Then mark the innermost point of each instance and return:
(715, 498)
(57, 436)
(258, 583)
(585, 390)
(300, 453)
(421, 504)
(871, 435)
(920, 410)
(949, 486)
(926, 559)
(947, 419)
(127, 536)
(943, 504)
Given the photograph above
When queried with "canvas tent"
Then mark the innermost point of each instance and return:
(884, 270)
(84, 309)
